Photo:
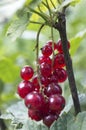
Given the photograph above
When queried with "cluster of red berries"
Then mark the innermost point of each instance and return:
(42, 93)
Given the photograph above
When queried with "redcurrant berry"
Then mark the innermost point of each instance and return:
(26, 73)
(47, 50)
(45, 108)
(61, 74)
(56, 102)
(59, 61)
(34, 114)
(44, 81)
(45, 69)
(50, 43)
(36, 83)
(59, 46)
(24, 88)
(52, 89)
(48, 120)
(43, 59)
(34, 100)
(53, 78)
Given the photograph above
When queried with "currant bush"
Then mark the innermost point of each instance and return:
(41, 91)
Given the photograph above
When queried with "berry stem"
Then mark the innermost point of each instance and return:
(37, 52)
(61, 27)
(52, 45)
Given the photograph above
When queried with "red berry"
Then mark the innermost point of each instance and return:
(34, 114)
(52, 89)
(44, 81)
(49, 43)
(45, 108)
(43, 59)
(36, 83)
(24, 88)
(35, 80)
(61, 74)
(53, 78)
(59, 61)
(26, 73)
(47, 50)
(34, 100)
(59, 46)
(48, 120)
(56, 103)
(45, 69)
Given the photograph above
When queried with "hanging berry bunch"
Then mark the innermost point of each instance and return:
(41, 91)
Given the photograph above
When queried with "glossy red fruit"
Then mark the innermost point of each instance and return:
(35, 80)
(34, 114)
(59, 61)
(50, 43)
(59, 46)
(34, 100)
(61, 74)
(56, 103)
(24, 88)
(48, 120)
(44, 81)
(52, 89)
(45, 69)
(26, 72)
(47, 50)
(53, 78)
(45, 108)
(43, 59)
(36, 83)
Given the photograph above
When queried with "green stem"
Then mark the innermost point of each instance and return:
(52, 45)
(36, 22)
(37, 51)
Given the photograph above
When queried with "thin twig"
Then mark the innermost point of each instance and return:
(36, 22)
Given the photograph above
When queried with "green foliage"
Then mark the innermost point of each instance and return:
(69, 2)
(8, 71)
(19, 25)
(70, 107)
(16, 54)
(20, 120)
(75, 41)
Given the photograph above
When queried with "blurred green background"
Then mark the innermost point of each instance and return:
(14, 55)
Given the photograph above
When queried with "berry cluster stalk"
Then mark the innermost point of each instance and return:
(61, 27)
(37, 51)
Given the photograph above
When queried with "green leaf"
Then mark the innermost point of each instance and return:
(63, 122)
(69, 122)
(79, 122)
(17, 113)
(8, 71)
(33, 3)
(18, 26)
(75, 42)
(70, 106)
(70, 2)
